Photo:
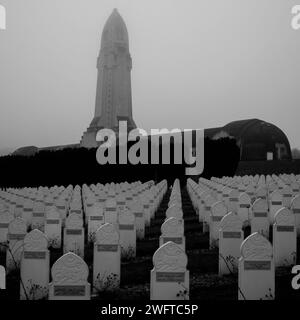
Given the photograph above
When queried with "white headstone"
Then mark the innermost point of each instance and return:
(218, 211)
(230, 239)
(127, 233)
(53, 228)
(95, 220)
(260, 217)
(209, 201)
(110, 212)
(138, 210)
(169, 277)
(172, 230)
(35, 267)
(284, 238)
(17, 230)
(287, 194)
(233, 201)
(244, 208)
(295, 207)
(174, 211)
(5, 219)
(38, 216)
(107, 258)
(74, 235)
(27, 211)
(69, 279)
(256, 269)
(275, 204)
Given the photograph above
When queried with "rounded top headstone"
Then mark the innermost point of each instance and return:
(231, 222)
(170, 258)
(107, 234)
(284, 217)
(256, 247)
(35, 240)
(70, 269)
(172, 227)
(74, 221)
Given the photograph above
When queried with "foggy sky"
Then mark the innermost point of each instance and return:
(196, 64)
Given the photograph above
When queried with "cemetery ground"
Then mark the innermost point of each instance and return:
(205, 283)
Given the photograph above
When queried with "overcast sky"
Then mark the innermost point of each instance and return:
(196, 64)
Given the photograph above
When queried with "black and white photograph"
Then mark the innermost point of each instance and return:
(149, 152)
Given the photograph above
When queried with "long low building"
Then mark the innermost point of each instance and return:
(257, 140)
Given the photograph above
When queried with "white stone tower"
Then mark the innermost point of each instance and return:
(113, 96)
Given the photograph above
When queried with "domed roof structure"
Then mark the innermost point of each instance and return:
(26, 151)
(257, 139)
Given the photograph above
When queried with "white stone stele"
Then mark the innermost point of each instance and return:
(127, 232)
(284, 238)
(201, 205)
(244, 208)
(2, 278)
(69, 279)
(169, 279)
(231, 237)
(172, 230)
(53, 228)
(287, 194)
(262, 193)
(218, 211)
(35, 266)
(137, 209)
(107, 258)
(256, 269)
(95, 220)
(110, 212)
(259, 217)
(5, 219)
(38, 216)
(233, 201)
(27, 211)
(275, 204)
(147, 210)
(74, 235)
(209, 201)
(76, 206)
(61, 206)
(17, 230)
(295, 207)
(175, 211)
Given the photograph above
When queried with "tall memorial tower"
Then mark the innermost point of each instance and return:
(113, 96)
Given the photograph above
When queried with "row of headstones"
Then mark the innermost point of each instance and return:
(172, 228)
(142, 204)
(252, 265)
(13, 230)
(284, 225)
(287, 187)
(275, 194)
(256, 271)
(277, 199)
(169, 276)
(272, 181)
(32, 204)
(257, 214)
(31, 251)
(51, 223)
(169, 279)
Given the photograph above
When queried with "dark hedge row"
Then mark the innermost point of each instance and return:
(79, 165)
